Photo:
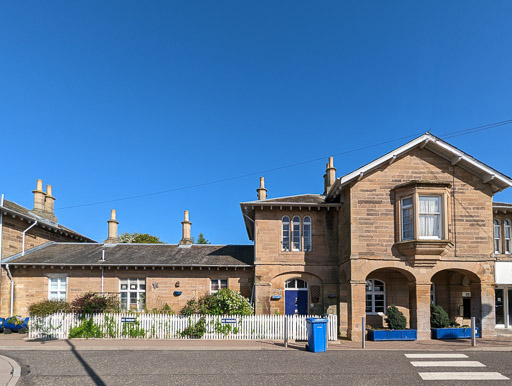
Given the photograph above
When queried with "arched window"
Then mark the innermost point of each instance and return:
(497, 236)
(507, 236)
(286, 233)
(375, 296)
(306, 231)
(296, 233)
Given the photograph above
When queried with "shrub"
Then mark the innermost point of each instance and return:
(396, 319)
(92, 302)
(86, 329)
(438, 317)
(165, 310)
(223, 302)
(48, 307)
(196, 330)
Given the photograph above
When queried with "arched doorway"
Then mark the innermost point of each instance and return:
(296, 297)
(457, 291)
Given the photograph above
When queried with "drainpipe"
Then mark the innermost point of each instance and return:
(12, 289)
(23, 240)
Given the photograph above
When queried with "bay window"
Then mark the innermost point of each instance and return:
(430, 217)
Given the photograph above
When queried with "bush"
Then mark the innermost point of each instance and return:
(396, 319)
(86, 329)
(438, 317)
(165, 310)
(92, 302)
(196, 330)
(48, 307)
(223, 302)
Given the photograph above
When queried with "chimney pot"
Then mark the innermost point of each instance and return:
(330, 175)
(112, 229)
(186, 238)
(262, 192)
(49, 205)
(39, 199)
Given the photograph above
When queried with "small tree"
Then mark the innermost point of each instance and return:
(201, 239)
(139, 238)
(396, 319)
(438, 317)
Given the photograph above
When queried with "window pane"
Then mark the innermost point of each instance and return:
(54, 295)
(407, 202)
(214, 285)
(54, 285)
(62, 282)
(223, 284)
(369, 285)
(407, 223)
(301, 284)
(379, 286)
(296, 233)
(429, 225)
(124, 287)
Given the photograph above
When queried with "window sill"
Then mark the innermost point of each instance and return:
(424, 252)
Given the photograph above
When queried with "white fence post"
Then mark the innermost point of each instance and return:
(271, 327)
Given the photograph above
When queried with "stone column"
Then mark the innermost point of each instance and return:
(420, 306)
(488, 321)
(357, 308)
(262, 298)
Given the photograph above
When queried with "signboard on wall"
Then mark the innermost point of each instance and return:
(503, 272)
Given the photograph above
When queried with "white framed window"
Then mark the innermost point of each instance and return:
(285, 223)
(407, 219)
(133, 294)
(497, 236)
(217, 284)
(430, 217)
(296, 236)
(375, 296)
(506, 225)
(306, 231)
(57, 286)
(297, 284)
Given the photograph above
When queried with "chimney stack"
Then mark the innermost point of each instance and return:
(186, 239)
(112, 229)
(49, 204)
(330, 175)
(39, 198)
(262, 192)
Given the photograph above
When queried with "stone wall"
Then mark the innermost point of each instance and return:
(31, 284)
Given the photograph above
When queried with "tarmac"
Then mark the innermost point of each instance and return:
(10, 370)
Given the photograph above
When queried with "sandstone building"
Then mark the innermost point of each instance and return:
(417, 225)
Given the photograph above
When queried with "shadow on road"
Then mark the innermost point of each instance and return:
(92, 374)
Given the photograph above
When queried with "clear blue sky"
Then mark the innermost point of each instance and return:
(106, 99)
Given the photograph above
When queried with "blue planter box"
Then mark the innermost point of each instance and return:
(378, 335)
(14, 327)
(453, 333)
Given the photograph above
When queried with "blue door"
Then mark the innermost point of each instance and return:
(296, 302)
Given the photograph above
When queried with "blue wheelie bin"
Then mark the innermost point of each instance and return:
(317, 334)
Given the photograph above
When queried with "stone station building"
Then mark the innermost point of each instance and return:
(417, 225)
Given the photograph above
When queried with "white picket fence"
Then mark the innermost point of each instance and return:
(156, 326)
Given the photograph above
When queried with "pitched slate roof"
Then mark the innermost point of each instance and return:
(70, 254)
(498, 180)
(14, 209)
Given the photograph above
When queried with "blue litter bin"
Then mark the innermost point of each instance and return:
(317, 334)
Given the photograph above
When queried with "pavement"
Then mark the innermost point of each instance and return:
(9, 369)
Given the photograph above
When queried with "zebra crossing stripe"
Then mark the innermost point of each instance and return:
(436, 356)
(448, 364)
(459, 376)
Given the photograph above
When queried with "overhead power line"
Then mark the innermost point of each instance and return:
(444, 136)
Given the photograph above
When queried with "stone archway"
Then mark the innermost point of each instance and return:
(315, 302)
(459, 293)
